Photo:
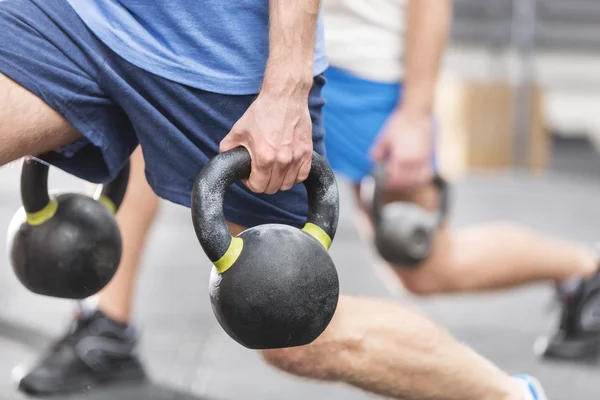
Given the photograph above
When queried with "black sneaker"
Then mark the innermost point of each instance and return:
(578, 335)
(95, 352)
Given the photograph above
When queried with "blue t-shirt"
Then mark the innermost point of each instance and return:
(215, 45)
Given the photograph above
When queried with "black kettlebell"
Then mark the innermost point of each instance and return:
(68, 245)
(404, 231)
(273, 285)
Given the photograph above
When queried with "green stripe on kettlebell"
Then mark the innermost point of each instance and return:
(112, 207)
(230, 256)
(318, 233)
(39, 217)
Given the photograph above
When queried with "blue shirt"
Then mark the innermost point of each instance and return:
(215, 45)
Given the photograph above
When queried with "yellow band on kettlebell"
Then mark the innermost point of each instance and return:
(108, 203)
(39, 217)
(318, 233)
(230, 256)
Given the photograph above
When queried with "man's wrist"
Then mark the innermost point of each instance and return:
(287, 80)
(414, 109)
(417, 97)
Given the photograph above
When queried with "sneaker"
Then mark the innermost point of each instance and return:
(96, 351)
(532, 388)
(578, 335)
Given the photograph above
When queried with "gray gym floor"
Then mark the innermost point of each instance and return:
(189, 356)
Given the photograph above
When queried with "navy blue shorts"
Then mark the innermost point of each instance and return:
(46, 48)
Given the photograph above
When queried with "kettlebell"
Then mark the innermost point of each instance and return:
(68, 245)
(273, 285)
(404, 231)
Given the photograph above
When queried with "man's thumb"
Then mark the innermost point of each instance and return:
(229, 142)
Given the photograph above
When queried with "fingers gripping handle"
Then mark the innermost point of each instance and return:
(226, 168)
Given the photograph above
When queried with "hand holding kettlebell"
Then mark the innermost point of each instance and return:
(68, 245)
(273, 285)
(404, 231)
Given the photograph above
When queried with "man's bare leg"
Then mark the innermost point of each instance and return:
(135, 218)
(490, 256)
(495, 256)
(28, 125)
(383, 348)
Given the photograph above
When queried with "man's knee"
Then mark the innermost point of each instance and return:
(437, 274)
(325, 357)
(420, 282)
(299, 361)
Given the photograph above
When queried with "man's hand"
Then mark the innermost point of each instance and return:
(405, 147)
(277, 131)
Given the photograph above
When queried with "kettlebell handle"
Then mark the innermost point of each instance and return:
(36, 199)
(438, 181)
(234, 165)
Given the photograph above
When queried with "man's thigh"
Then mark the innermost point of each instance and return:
(47, 50)
(28, 125)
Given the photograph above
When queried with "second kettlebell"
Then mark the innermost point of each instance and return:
(404, 231)
(67, 245)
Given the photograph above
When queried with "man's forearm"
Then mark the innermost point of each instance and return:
(292, 31)
(428, 23)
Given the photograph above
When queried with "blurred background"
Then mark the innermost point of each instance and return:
(519, 106)
(520, 86)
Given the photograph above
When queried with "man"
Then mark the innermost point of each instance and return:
(85, 81)
(380, 97)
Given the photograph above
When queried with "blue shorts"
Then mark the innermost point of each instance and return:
(356, 111)
(46, 48)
